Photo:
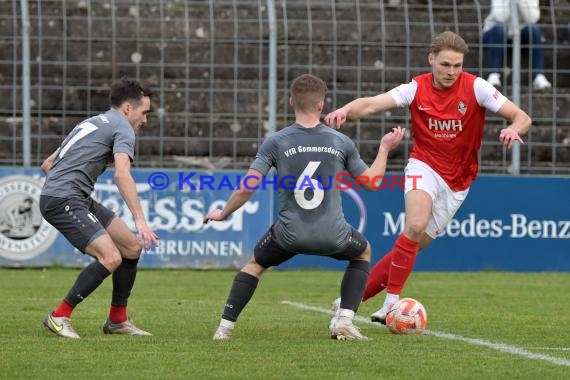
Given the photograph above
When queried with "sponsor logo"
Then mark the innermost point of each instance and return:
(453, 125)
(518, 226)
(175, 213)
(462, 107)
(55, 326)
(24, 234)
(422, 108)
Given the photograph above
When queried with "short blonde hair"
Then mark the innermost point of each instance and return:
(449, 41)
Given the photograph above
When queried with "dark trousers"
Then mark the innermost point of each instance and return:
(495, 40)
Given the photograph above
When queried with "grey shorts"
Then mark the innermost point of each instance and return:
(269, 253)
(80, 220)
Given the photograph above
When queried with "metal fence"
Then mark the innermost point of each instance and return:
(209, 65)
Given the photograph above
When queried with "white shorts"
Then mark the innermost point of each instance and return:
(446, 202)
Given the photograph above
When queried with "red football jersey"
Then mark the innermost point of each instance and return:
(447, 129)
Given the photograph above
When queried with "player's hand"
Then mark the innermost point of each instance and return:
(508, 137)
(336, 118)
(392, 139)
(146, 235)
(213, 215)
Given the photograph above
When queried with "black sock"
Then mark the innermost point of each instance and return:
(353, 284)
(123, 281)
(242, 290)
(88, 280)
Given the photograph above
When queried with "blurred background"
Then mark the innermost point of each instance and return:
(220, 71)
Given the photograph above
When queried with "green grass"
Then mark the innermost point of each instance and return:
(276, 341)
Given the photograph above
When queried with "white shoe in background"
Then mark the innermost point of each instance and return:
(335, 305)
(495, 79)
(541, 83)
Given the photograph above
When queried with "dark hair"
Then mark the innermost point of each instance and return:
(449, 41)
(125, 90)
(307, 91)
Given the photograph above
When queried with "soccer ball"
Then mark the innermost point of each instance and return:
(407, 316)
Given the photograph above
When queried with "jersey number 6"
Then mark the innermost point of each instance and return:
(302, 186)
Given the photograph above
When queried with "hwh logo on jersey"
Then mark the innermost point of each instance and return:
(445, 125)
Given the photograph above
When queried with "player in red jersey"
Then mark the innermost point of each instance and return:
(447, 109)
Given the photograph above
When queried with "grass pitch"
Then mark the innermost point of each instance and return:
(485, 325)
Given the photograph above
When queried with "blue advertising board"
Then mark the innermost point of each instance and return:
(175, 213)
(506, 223)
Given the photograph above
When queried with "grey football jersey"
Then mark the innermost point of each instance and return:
(308, 161)
(86, 152)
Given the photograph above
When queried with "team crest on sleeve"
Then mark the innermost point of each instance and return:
(24, 234)
(462, 107)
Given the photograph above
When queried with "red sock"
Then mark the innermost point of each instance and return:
(118, 314)
(403, 259)
(378, 278)
(63, 310)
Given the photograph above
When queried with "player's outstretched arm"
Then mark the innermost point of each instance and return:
(360, 108)
(376, 171)
(48, 162)
(519, 121)
(128, 190)
(238, 198)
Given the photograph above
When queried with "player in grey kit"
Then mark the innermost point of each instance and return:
(308, 157)
(66, 203)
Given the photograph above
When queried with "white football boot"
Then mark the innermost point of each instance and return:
(223, 333)
(124, 328)
(380, 315)
(342, 328)
(346, 331)
(60, 326)
(225, 330)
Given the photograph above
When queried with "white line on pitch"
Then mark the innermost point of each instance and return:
(552, 348)
(513, 350)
